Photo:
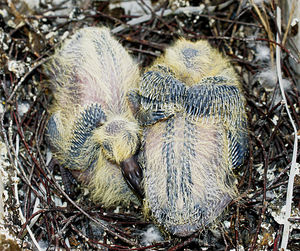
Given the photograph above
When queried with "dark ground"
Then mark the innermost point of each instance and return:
(28, 37)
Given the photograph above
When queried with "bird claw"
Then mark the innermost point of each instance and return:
(133, 174)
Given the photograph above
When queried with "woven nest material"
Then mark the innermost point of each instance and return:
(36, 212)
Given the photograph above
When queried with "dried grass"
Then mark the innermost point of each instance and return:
(42, 216)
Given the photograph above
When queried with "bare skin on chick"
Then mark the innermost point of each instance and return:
(195, 133)
(91, 127)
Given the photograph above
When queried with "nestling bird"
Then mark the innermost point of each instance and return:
(91, 126)
(195, 133)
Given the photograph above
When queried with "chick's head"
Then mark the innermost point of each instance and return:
(119, 138)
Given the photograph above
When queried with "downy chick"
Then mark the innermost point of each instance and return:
(91, 126)
(195, 133)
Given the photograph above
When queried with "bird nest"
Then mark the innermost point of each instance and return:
(37, 214)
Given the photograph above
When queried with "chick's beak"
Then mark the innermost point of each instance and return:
(133, 174)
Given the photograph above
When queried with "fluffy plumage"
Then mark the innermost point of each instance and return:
(91, 126)
(193, 99)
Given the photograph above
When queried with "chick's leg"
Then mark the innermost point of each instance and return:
(147, 115)
(160, 94)
(68, 180)
(159, 87)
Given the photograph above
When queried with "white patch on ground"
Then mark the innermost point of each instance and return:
(51, 34)
(58, 202)
(279, 216)
(4, 37)
(227, 224)
(58, 8)
(65, 35)
(286, 84)
(66, 7)
(23, 108)
(178, 3)
(268, 79)
(277, 209)
(270, 172)
(275, 120)
(117, 210)
(131, 7)
(48, 156)
(262, 53)
(151, 235)
(17, 67)
(295, 21)
(240, 248)
(3, 13)
(43, 244)
(260, 2)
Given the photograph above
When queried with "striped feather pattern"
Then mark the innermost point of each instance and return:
(92, 126)
(188, 157)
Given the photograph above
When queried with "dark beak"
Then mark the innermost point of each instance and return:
(133, 174)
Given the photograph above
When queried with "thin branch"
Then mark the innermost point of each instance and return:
(163, 13)
(289, 195)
